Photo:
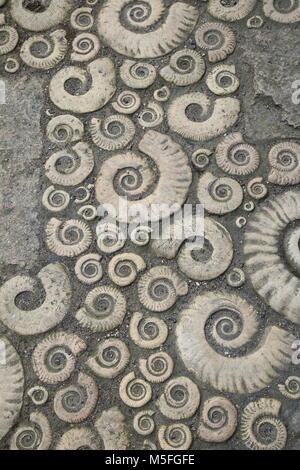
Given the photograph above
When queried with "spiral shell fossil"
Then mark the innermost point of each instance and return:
(222, 80)
(69, 168)
(82, 18)
(51, 14)
(143, 423)
(175, 437)
(212, 118)
(128, 102)
(230, 11)
(160, 287)
(110, 358)
(88, 268)
(44, 52)
(180, 398)
(75, 403)
(36, 435)
(94, 95)
(55, 200)
(113, 133)
(77, 439)
(147, 332)
(56, 284)
(124, 268)
(131, 176)
(152, 115)
(274, 273)
(104, 309)
(9, 38)
(282, 12)
(218, 322)
(11, 386)
(219, 195)
(291, 387)
(68, 238)
(256, 188)
(284, 159)
(217, 39)
(157, 368)
(218, 420)
(65, 129)
(39, 395)
(185, 68)
(113, 430)
(173, 31)
(137, 74)
(235, 156)
(54, 359)
(259, 416)
(134, 392)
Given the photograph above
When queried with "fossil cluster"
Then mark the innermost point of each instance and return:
(139, 343)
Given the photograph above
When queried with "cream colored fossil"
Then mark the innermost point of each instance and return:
(134, 392)
(291, 387)
(230, 11)
(235, 156)
(282, 12)
(88, 268)
(39, 395)
(85, 47)
(258, 415)
(147, 332)
(222, 80)
(56, 284)
(55, 200)
(201, 158)
(74, 403)
(104, 309)
(82, 18)
(256, 188)
(137, 74)
(162, 94)
(113, 430)
(88, 212)
(271, 250)
(216, 322)
(217, 39)
(70, 167)
(9, 37)
(110, 237)
(169, 34)
(68, 238)
(128, 102)
(51, 14)
(124, 268)
(109, 359)
(141, 235)
(180, 399)
(143, 423)
(54, 358)
(213, 117)
(284, 159)
(112, 133)
(203, 259)
(94, 95)
(44, 51)
(175, 437)
(219, 195)
(235, 277)
(64, 129)
(186, 67)
(131, 176)
(157, 368)
(160, 287)
(11, 386)
(218, 420)
(148, 445)
(78, 438)
(83, 194)
(12, 65)
(36, 435)
(152, 115)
